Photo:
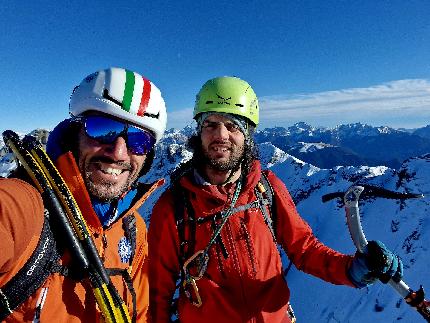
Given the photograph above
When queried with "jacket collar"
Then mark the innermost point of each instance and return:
(69, 170)
(211, 191)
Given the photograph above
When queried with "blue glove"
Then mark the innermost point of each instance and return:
(376, 262)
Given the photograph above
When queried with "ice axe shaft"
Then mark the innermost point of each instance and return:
(353, 220)
(351, 198)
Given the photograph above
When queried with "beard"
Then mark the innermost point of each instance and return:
(104, 190)
(232, 163)
(107, 190)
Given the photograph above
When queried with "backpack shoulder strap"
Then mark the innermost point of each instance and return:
(185, 222)
(271, 223)
(130, 231)
(33, 274)
(264, 192)
(186, 226)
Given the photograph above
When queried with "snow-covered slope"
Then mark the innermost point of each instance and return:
(403, 226)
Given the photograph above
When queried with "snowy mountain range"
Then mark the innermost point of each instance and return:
(403, 226)
(352, 144)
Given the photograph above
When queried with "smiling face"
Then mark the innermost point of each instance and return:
(223, 143)
(108, 169)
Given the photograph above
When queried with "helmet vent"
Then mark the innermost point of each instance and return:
(108, 97)
(209, 102)
(224, 100)
(239, 105)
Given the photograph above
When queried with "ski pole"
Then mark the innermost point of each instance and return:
(416, 299)
(110, 303)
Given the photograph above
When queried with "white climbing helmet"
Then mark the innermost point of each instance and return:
(123, 94)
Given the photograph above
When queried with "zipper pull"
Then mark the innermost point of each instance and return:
(104, 240)
(39, 304)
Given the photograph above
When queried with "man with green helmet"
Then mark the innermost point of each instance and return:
(217, 227)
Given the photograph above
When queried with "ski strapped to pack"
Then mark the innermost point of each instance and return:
(350, 198)
(64, 210)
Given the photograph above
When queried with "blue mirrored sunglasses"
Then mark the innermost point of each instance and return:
(106, 130)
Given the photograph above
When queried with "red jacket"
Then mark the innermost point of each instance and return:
(67, 300)
(248, 286)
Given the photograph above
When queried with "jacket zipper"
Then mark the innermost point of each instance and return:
(249, 247)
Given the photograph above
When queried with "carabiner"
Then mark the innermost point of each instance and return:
(201, 259)
(192, 291)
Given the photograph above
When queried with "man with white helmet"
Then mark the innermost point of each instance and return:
(217, 227)
(117, 116)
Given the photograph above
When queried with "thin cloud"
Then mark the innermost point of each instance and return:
(401, 103)
(178, 119)
(398, 104)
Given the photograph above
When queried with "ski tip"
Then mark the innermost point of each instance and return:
(9, 134)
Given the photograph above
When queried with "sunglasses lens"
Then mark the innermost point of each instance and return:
(104, 130)
(139, 141)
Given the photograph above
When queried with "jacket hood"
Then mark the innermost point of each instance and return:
(61, 138)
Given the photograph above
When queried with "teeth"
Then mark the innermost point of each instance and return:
(220, 149)
(111, 171)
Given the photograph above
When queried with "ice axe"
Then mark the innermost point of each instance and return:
(350, 198)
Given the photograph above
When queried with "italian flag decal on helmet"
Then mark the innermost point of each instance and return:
(130, 89)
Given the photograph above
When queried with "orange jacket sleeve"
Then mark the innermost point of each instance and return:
(21, 220)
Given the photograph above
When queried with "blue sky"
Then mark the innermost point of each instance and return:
(322, 62)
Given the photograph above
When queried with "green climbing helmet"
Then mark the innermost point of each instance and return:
(228, 94)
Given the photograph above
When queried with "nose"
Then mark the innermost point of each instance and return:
(221, 132)
(118, 149)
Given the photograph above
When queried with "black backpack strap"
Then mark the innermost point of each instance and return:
(33, 274)
(69, 271)
(130, 231)
(185, 222)
(186, 225)
(264, 192)
(270, 193)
